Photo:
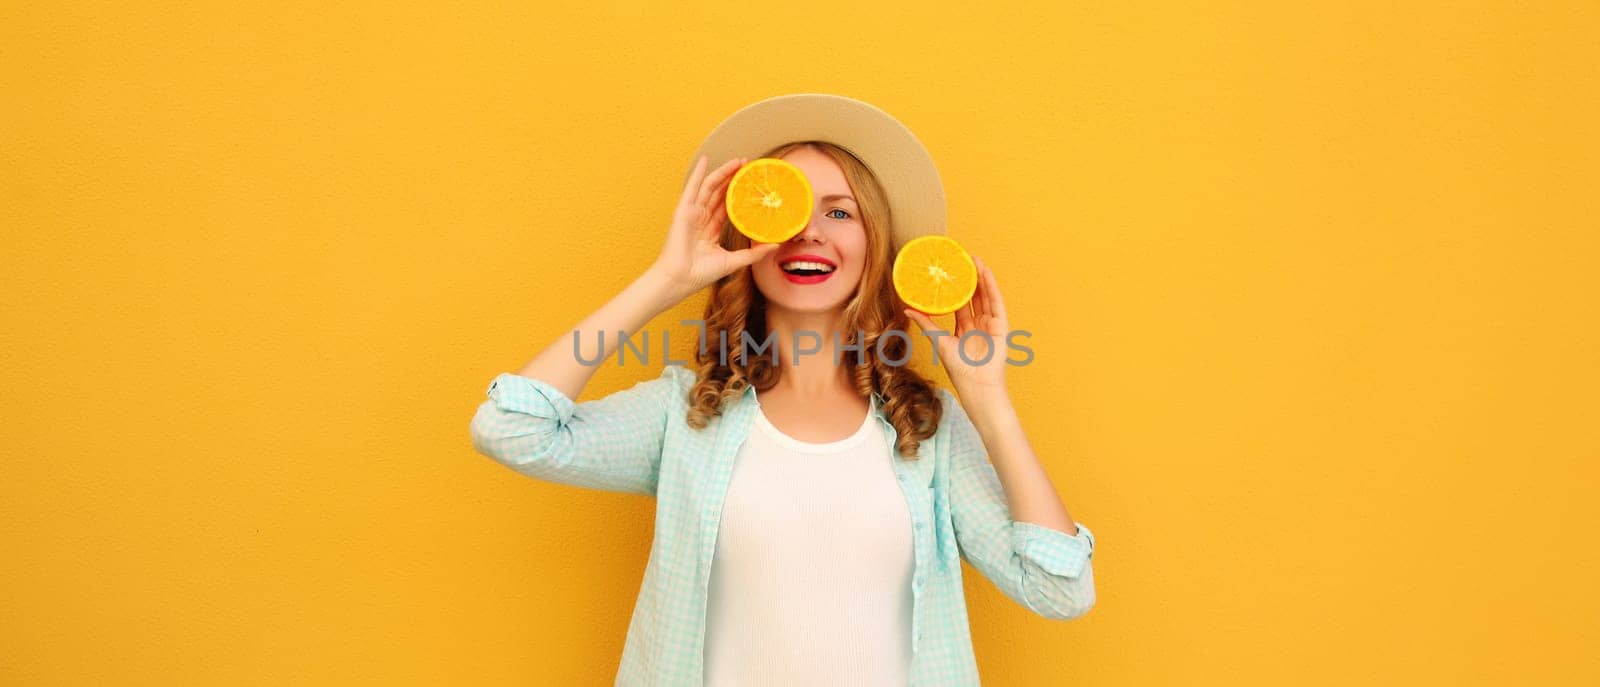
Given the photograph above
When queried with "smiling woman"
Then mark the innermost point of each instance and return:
(849, 233)
(810, 518)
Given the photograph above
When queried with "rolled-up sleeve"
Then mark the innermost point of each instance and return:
(613, 443)
(1045, 570)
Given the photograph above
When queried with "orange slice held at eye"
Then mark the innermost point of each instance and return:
(935, 275)
(769, 200)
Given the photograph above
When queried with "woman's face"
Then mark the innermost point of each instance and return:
(835, 237)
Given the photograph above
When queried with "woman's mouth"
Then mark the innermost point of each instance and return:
(807, 271)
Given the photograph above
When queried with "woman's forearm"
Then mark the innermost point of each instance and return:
(558, 364)
(1032, 496)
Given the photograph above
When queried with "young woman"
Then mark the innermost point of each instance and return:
(814, 499)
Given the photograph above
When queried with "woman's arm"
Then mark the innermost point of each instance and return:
(1009, 521)
(531, 422)
(1033, 498)
(600, 333)
(691, 259)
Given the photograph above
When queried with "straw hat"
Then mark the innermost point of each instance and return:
(903, 166)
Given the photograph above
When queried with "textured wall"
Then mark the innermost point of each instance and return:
(1312, 294)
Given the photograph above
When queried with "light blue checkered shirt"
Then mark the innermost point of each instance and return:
(637, 441)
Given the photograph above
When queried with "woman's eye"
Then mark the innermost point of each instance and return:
(846, 214)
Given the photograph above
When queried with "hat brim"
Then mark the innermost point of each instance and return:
(901, 163)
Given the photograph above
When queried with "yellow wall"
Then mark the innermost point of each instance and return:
(1312, 294)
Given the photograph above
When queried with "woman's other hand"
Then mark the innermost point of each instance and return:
(985, 313)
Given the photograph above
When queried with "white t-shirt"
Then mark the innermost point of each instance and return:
(811, 580)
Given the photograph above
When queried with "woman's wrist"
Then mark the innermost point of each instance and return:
(661, 290)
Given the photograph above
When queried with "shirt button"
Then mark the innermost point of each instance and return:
(919, 524)
(919, 580)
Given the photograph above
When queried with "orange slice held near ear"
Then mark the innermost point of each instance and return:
(769, 200)
(934, 274)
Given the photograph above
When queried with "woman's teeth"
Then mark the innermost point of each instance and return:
(806, 266)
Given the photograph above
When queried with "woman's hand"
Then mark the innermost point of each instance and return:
(985, 313)
(693, 257)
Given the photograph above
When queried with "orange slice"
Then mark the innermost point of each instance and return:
(769, 200)
(934, 274)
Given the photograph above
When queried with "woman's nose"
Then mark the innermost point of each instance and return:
(810, 233)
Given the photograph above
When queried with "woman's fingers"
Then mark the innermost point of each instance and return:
(921, 319)
(997, 305)
(694, 181)
(713, 228)
(965, 317)
(980, 297)
(720, 191)
(927, 324)
(709, 186)
(719, 188)
(980, 303)
(754, 254)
